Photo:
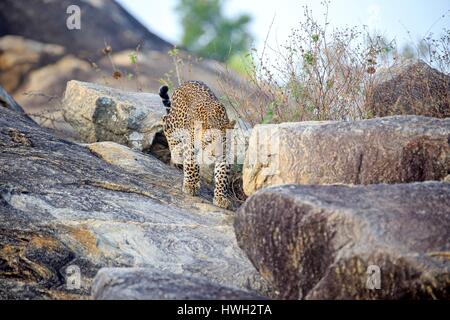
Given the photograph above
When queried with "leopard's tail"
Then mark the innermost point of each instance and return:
(163, 93)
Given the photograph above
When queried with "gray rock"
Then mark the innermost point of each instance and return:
(148, 284)
(63, 204)
(383, 150)
(8, 102)
(100, 113)
(411, 88)
(318, 242)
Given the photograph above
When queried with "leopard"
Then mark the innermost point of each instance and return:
(194, 112)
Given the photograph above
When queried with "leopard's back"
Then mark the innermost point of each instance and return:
(194, 101)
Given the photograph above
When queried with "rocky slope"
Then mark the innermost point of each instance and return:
(102, 205)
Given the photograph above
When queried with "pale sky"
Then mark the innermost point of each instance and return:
(390, 17)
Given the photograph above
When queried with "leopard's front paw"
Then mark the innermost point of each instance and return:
(191, 189)
(222, 202)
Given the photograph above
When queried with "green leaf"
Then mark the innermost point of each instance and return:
(173, 52)
(133, 57)
(330, 83)
(269, 115)
(309, 58)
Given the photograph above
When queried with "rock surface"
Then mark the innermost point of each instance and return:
(148, 284)
(100, 113)
(382, 150)
(412, 88)
(43, 85)
(317, 242)
(64, 204)
(8, 102)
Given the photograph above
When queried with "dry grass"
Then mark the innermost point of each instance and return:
(322, 74)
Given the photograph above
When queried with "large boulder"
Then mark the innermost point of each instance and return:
(342, 242)
(411, 88)
(100, 113)
(148, 284)
(66, 207)
(382, 150)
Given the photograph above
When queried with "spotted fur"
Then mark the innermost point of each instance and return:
(194, 106)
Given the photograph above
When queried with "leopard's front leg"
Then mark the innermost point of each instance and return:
(191, 179)
(191, 168)
(222, 172)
